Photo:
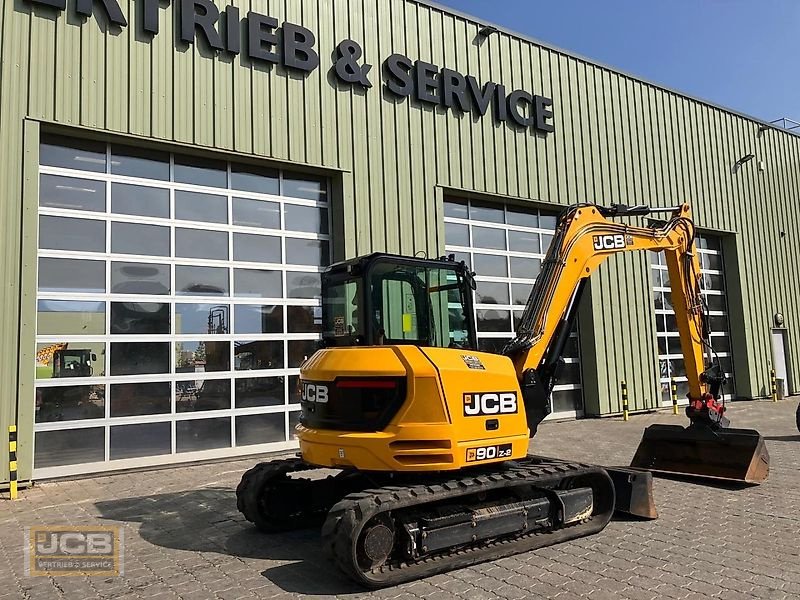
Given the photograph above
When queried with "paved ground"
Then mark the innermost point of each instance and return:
(185, 539)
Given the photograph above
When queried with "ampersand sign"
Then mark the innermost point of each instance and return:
(347, 67)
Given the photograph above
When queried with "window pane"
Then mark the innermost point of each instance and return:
(139, 278)
(294, 420)
(70, 317)
(721, 343)
(259, 391)
(139, 358)
(304, 319)
(209, 394)
(200, 171)
(139, 318)
(294, 389)
(70, 403)
(522, 217)
(548, 222)
(493, 345)
(713, 261)
(135, 399)
(201, 281)
(303, 285)
(305, 218)
(68, 192)
(70, 153)
(256, 213)
(525, 268)
(524, 241)
(483, 237)
(249, 247)
(134, 238)
(202, 434)
(202, 318)
(456, 234)
(72, 275)
(486, 212)
(64, 233)
(491, 265)
(253, 356)
(490, 292)
(198, 243)
(300, 350)
(567, 400)
(494, 320)
(202, 357)
(546, 241)
(718, 324)
(139, 162)
(194, 206)
(145, 439)
(520, 293)
(249, 283)
(308, 187)
(715, 302)
(455, 208)
(260, 429)
(69, 447)
(258, 318)
(570, 374)
(306, 252)
(255, 179)
(708, 242)
(139, 200)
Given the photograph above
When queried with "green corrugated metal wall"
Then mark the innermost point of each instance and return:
(617, 139)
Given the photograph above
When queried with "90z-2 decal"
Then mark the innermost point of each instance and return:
(478, 404)
(488, 452)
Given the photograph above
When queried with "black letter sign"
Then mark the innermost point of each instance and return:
(262, 38)
(398, 76)
(427, 88)
(84, 7)
(542, 109)
(202, 14)
(298, 48)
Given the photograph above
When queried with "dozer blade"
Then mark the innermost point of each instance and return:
(729, 454)
(634, 492)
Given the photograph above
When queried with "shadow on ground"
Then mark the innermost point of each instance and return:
(783, 438)
(206, 520)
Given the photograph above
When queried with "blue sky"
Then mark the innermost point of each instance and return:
(742, 54)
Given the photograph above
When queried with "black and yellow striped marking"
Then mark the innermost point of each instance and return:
(673, 390)
(12, 460)
(774, 385)
(625, 415)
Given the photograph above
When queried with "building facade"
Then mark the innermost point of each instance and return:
(176, 176)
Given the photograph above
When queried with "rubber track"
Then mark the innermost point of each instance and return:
(347, 518)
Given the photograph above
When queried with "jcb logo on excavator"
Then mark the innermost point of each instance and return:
(609, 242)
(314, 392)
(490, 403)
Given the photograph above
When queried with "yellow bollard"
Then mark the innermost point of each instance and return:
(673, 387)
(625, 415)
(12, 460)
(774, 385)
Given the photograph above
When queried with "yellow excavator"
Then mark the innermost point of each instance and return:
(426, 439)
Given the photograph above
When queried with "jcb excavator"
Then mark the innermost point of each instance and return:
(429, 437)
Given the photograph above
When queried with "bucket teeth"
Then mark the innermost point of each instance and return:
(729, 454)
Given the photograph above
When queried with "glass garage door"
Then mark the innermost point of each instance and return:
(670, 359)
(505, 246)
(177, 297)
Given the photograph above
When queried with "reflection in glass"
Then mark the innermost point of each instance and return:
(255, 179)
(260, 429)
(306, 252)
(522, 217)
(294, 421)
(198, 243)
(548, 222)
(139, 318)
(194, 206)
(250, 283)
(491, 265)
(453, 207)
(294, 389)
(199, 395)
(520, 293)
(135, 238)
(258, 355)
(71, 153)
(72, 275)
(200, 171)
(493, 345)
(64, 233)
(202, 357)
(202, 434)
(525, 268)
(202, 318)
(140, 278)
(258, 318)
(491, 292)
(493, 320)
(456, 234)
(256, 213)
(56, 191)
(136, 399)
(484, 237)
(63, 360)
(139, 200)
(139, 358)
(201, 281)
(305, 218)
(303, 285)
(70, 403)
(259, 391)
(492, 213)
(70, 317)
(524, 241)
(256, 248)
(69, 447)
(300, 350)
(308, 187)
(139, 162)
(304, 319)
(566, 400)
(140, 439)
